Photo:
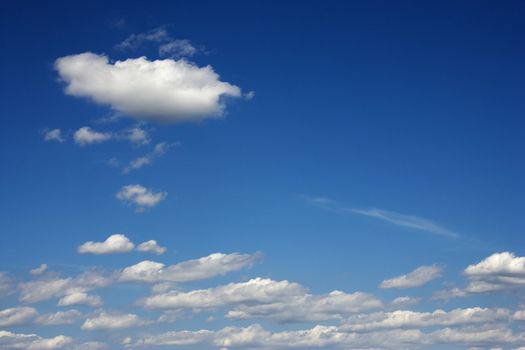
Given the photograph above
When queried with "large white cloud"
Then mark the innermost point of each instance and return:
(11, 341)
(191, 270)
(162, 90)
(416, 278)
(117, 243)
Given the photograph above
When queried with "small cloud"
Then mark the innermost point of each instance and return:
(53, 135)
(177, 48)
(80, 298)
(147, 159)
(420, 276)
(86, 136)
(107, 321)
(151, 246)
(116, 243)
(39, 270)
(136, 135)
(140, 197)
(249, 95)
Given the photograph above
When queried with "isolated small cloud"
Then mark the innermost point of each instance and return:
(87, 136)
(159, 150)
(39, 270)
(53, 135)
(140, 197)
(151, 246)
(117, 243)
(166, 90)
(177, 48)
(136, 135)
(420, 276)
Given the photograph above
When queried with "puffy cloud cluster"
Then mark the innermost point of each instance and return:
(25, 315)
(9, 340)
(119, 243)
(162, 90)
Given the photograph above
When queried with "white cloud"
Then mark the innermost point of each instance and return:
(59, 318)
(151, 246)
(17, 316)
(117, 243)
(11, 341)
(140, 197)
(39, 270)
(177, 48)
(53, 287)
(135, 135)
(416, 278)
(6, 285)
(79, 297)
(191, 270)
(104, 321)
(53, 135)
(158, 150)
(405, 300)
(134, 41)
(163, 90)
(413, 319)
(86, 136)
(410, 221)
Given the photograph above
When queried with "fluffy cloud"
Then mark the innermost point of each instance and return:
(53, 135)
(116, 243)
(140, 197)
(87, 136)
(104, 321)
(413, 319)
(163, 90)
(416, 278)
(151, 246)
(39, 270)
(497, 272)
(75, 297)
(17, 316)
(190, 270)
(58, 318)
(11, 341)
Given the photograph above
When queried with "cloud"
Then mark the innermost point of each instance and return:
(39, 270)
(140, 197)
(6, 285)
(135, 135)
(54, 287)
(87, 136)
(191, 270)
(17, 316)
(168, 46)
(108, 321)
(79, 297)
(405, 300)
(420, 276)
(408, 221)
(151, 246)
(413, 319)
(59, 318)
(11, 341)
(53, 135)
(496, 273)
(116, 243)
(165, 91)
(159, 149)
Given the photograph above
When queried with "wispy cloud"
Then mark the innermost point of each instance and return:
(409, 221)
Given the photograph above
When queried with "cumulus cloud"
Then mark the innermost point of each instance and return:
(105, 321)
(17, 316)
(141, 197)
(166, 90)
(151, 246)
(87, 136)
(498, 272)
(135, 135)
(53, 135)
(191, 270)
(39, 270)
(416, 278)
(79, 297)
(59, 318)
(11, 341)
(117, 243)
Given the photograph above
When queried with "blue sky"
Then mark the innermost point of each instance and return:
(262, 175)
